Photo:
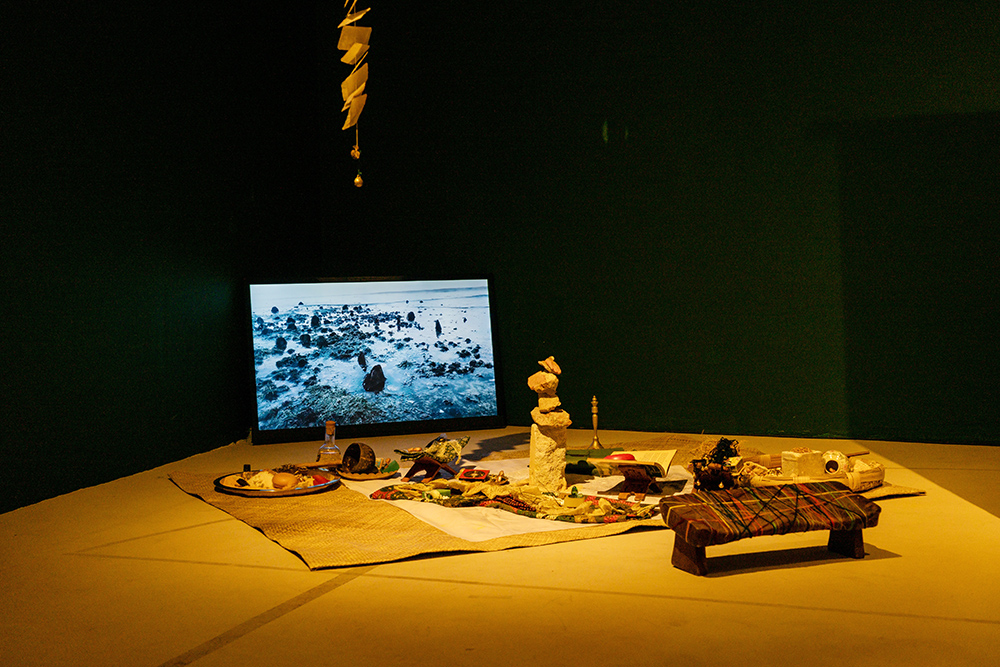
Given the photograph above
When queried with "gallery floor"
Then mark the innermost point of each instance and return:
(137, 572)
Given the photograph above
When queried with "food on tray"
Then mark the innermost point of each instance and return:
(283, 481)
(284, 478)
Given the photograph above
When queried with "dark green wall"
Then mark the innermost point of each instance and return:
(920, 237)
(656, 187)
(151, 155)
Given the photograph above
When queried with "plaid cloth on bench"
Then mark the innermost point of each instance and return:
(705, 518)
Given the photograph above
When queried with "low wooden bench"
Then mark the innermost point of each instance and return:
(706, 518)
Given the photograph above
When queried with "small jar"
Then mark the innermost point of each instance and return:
(329, 452)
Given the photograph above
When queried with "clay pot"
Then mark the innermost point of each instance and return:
(359, 458)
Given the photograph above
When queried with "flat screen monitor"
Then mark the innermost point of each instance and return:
(378, 356)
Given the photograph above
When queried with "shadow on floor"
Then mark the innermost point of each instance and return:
(509, 442)
(781, 559)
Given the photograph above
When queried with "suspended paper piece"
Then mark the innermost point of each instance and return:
(355, 53)
(357, 104)
(351, 18)
(350, 98)
(351, 35)
(354, 82)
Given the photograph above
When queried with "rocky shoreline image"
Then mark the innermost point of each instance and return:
(382, 352)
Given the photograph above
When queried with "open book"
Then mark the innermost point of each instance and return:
(656, 461)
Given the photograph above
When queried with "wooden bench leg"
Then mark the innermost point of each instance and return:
(847, 543)
(689, 558)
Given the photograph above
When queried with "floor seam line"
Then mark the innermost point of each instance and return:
(162, 532)
(682, 598)
(265, 617)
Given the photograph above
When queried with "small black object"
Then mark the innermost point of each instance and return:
(724, 450)
(375, 379)
(710, 476)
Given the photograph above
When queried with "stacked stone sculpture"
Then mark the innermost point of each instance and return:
(547, 462)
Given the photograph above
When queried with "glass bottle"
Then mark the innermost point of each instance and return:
(329, 452)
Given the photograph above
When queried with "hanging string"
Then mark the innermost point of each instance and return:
(356, 154)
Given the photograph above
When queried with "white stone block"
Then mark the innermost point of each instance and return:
(802, 464)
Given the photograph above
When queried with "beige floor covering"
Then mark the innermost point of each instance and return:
(137, 572)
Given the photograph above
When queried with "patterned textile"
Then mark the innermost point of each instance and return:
(704, 518)
(594, 510)
(441, 449)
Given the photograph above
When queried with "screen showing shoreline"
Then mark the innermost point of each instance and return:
(376, 355)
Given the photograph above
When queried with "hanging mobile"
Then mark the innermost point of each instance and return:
(354, 40)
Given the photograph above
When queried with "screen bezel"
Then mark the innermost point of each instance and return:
(312, 433)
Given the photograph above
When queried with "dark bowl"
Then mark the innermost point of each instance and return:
(359, 458)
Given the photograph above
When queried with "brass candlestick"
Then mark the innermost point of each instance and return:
(596, 442)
